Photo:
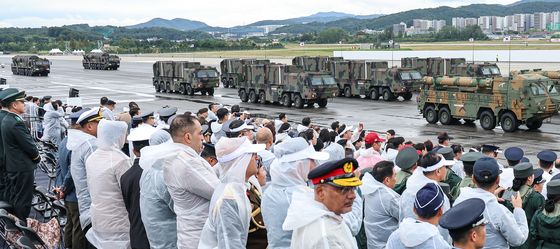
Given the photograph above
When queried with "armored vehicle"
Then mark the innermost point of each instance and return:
(553, 75)
(354, 76)
(315, 63)
(231, 70)
(184, 77)
(286, 84)
(509, 102)
(393, 82)
(433, 66)
(101, 61)
(30, 65)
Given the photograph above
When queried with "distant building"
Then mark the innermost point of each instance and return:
(399, 29)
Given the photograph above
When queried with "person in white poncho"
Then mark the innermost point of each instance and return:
(316, 217)
(109, 218)
(227, 225)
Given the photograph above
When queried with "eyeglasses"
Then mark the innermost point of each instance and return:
(343, 190)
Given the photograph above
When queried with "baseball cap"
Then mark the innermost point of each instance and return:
(372, 137)
(486, 168)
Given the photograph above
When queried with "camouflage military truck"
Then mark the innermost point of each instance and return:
(479, 70)
(393, 82)
(30, 65)
(315, 63)
(433, 66)
(523, 99)
(184, 77)
(231, 70)
(354, 76)
(286, 85)
(101, 61)
(553, 75)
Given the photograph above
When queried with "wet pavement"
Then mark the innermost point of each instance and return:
(132, 82)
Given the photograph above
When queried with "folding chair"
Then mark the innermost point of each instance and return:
(31, 235)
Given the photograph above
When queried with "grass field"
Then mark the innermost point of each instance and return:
(292, 50)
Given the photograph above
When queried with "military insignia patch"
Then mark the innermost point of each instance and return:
(18, 118)
(348, 167)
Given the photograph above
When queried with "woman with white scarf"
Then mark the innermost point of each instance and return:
(227, 225)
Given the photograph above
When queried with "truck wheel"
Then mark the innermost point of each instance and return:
(190, 90)
(262, 98)
(210, 91)
(534, 123)
(182, 89)
(487, 120)
(286, 100)
(407, 96)
(388, 95)
(445, 116)
(430, 114)
(156, 85)
(347, 92)
(508, 121)
(243, 95)
(322, 102)
(253, 98)
(374, 94)
(298, 101)
(202, 92)
(224, 82)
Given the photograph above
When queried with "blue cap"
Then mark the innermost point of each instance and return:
(167, 112)
(490, 148)
(513, 154)
(547, 156)
(486, 168)
(467, 214)
(538, 176)
(429, 199)
(524, 160)
(555, 177)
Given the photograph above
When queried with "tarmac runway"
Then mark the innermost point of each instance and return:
(132, 82)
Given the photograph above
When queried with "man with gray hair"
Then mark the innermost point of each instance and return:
(191, 198)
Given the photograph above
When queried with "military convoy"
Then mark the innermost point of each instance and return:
(509, 102)
(231, 70)
(437, 67)
(101, 61)
(358, 77)
(285, 85)
(30, 65)
(184, 77)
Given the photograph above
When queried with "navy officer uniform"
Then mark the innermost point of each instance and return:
(21, 156)
(464, 219)
(3, 177)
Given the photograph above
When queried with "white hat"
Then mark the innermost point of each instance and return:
(294, 149)
(347, 128)
(91, 115)
(244, 126)
(441, 163)
(143, 132)
(228, 149)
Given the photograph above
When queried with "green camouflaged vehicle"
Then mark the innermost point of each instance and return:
(184, 77)
(286, 85)
(231, 70)
(30, 65)
(524, 99)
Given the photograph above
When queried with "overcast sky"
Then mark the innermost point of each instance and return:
(223, 13)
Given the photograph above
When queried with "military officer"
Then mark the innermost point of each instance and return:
(452, 178)
(513, 155)
(545, 226)
(3, 178)
(20, 153)
(466, 224)
(469, 159)
(163, 115)
(407, 160)
(546, 162)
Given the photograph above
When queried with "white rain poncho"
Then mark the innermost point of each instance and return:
(336, 152)
(381, 209)
(156, 204)
(504, 228)
(416, 234)
(54, 126)
(109, 218)
(415, 182)
(314, 226)
(230, 210)
(288, 175)
(190, 181)
(82, 146)
(159, 137)
(267, 159)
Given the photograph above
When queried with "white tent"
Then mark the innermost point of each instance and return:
(55, 51)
